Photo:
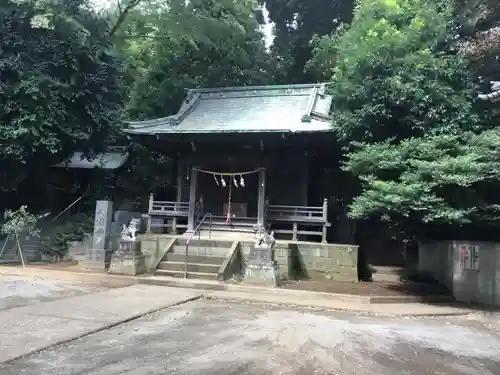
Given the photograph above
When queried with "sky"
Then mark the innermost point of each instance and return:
(267, 29)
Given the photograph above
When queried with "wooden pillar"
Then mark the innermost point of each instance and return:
(150, 209)
(261, 201)
(179, 182)
(193, 182)
(305, 180)
(178, 198)
(325, 220)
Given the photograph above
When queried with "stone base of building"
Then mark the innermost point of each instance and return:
(127, 265)
(96, 259)
(128, 259)
(265, 274)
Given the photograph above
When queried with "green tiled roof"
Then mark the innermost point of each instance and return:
(288, 108)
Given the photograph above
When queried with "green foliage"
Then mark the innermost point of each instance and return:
(190, 44)
(392, 78)
(20, 222)
(306, 118)
(433, 179)
(477, 27)
(297, 22)
(403, 106)
(61, 86)
(55, 239)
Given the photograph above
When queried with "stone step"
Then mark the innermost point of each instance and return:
(8, 261)
(203, 251)
(191, 267)
(236, 219)
(228, 228)
(387, 274)
(230, 235)
(10, 255)
(389, 270)
(203, 242)
(202, 259)
(191, 275)
(235, 222)
(29, 256)
(10, 258)
(9, 252)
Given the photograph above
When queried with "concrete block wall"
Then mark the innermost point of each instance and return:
(309, 260)
(338, 262)
(441, 259)
(77, 250)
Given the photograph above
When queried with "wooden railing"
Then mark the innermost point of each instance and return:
(166, 208)
(163, 210)
(299, 216)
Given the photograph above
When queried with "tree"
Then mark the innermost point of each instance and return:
(61, 88)
(197, 44)
(296, 23)
(123, 8)
(478, 40)
(435, 179)
(393, 77)
(478, 29)
(403, 106)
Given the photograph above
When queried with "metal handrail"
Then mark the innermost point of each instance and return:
(197, 229)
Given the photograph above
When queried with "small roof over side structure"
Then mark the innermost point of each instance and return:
(252, 109)
(494, 96)
(109, 160)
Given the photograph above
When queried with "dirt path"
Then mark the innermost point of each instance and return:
(19, 291)
(217, 338)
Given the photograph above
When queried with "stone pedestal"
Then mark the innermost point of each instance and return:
(99, 255)
(96, 259)
(260, 267)
(128, 259)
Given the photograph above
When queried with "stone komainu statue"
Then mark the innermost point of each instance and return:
(262, 237)
(129, 233)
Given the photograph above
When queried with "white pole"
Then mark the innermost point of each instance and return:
(4, 245)
(20, 250)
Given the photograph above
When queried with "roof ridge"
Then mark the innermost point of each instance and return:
(260, 87)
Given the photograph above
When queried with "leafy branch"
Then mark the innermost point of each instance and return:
(123, 10)
(20, 221)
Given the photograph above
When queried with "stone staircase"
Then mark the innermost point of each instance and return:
(388, 274)
(204, 260)
(10, 253)
(239, 225)
(30, 246)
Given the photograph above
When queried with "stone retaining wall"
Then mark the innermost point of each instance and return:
(298, 260)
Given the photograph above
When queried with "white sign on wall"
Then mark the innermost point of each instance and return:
(469, 257)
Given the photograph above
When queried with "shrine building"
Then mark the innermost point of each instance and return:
(247, 156)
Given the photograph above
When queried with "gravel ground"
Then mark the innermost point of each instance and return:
(18, 291)
(218, 338)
